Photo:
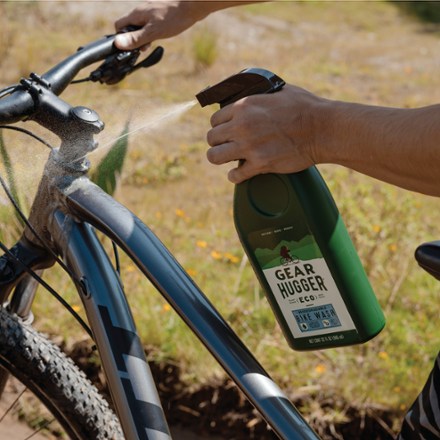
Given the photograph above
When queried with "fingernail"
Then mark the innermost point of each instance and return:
(121, 41)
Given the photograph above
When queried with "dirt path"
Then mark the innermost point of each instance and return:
(13, 429)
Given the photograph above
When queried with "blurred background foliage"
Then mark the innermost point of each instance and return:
(428, 11)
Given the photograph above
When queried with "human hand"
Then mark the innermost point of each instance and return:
(158, 19)
(266, 133)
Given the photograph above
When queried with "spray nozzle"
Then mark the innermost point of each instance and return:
(248, 82)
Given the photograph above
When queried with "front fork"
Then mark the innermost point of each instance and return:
(17, 286)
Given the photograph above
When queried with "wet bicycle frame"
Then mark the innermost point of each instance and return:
(67, 210)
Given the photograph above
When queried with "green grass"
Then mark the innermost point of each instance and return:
(369, 52)
(205, 48)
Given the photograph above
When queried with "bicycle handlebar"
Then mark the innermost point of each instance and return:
(21, 103)
(63, 73)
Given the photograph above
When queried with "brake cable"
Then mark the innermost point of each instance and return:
(29, 133)
(7, 91)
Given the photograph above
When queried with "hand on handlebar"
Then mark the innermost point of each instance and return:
(159, 20)
(23, 101)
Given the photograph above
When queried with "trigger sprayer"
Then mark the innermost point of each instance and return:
(298, 245)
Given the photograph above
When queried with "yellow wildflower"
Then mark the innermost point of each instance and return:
(383, 355)
(392, 247)
(180, 213)
(231, 258)
(201, 244)
(320, 368)
(191, 272)
(216, 255)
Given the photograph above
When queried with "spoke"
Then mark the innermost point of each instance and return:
(14, 404)
(43, 426)
(11, 406)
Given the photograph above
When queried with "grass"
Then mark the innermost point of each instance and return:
(370, 53)
(205, 48)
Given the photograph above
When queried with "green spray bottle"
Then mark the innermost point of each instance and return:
(298, 245)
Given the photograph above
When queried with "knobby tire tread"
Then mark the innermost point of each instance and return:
(54, 378)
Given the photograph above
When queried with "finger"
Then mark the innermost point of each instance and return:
(122, 22)
(134, 18)
(222, 154)
(222, 116)
(241, 173)
(219, 135)
(132, 40)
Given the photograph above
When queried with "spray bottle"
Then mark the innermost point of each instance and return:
(298, 245)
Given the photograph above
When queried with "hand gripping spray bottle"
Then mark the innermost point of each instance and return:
(298, 245)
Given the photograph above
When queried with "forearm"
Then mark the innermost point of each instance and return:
(288, 131)
(164, 19)
(399, 146)
(202, 8)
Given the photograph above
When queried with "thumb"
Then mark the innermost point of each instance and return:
(131, 40)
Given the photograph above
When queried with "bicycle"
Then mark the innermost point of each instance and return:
(286, 261)
(67, 211)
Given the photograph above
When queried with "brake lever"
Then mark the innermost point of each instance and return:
(152, 59)
(118, 65)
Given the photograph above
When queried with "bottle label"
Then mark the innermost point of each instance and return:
(301, 282)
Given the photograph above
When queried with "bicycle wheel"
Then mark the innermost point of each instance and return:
(56, 381)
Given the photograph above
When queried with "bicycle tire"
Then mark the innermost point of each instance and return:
(56, 381)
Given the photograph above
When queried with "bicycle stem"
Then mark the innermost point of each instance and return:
(76, 127)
